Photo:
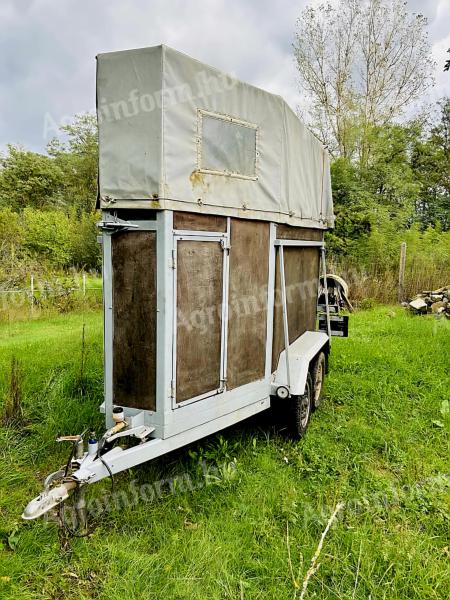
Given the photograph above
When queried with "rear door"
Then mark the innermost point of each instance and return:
(200, 289)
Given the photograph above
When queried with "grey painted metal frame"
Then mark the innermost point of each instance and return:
(163, 227)
(211, 410)
(224, 239)
(176, 428)
(325, 286)
(270, 299)
(285, 315)
(299, 244)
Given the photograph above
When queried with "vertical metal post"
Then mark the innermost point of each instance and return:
(285, 316)
(270, 299)
(84, 285)
(325, 285)
(79, 495)
(108, 333)
(225, 290)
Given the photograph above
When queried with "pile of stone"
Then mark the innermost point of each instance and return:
(436, 302)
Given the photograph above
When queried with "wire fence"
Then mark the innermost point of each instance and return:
(60, 294)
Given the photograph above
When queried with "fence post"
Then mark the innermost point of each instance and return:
(31, 295)
(84, 285)
(401, 273)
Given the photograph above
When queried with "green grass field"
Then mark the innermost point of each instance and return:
(248, 529)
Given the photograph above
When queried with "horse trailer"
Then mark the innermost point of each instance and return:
(214, 200)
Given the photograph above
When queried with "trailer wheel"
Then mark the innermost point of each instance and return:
(301, 407)
(318, 376)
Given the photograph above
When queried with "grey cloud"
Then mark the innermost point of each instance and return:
(48, 49)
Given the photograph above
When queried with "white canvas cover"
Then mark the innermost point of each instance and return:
(177, 134)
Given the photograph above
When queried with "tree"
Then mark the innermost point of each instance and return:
(431, 164)
(28, 179)
(361, 63)
(77, 158)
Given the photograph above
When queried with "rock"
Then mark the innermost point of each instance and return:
(419, 305)
(437, 306)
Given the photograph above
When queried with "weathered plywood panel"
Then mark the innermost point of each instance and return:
(134, 315)
(301, 274)
(199, 320)
(287, 232)
(197, 222)
(247, 307)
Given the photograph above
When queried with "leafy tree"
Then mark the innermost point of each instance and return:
(351, 207)
(431, 164)
(28, 179)
(77, 158)
(388, 175)
(47, 235)
(362, 62)
(85, 250)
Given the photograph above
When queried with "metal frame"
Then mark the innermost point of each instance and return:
(300, 243)
(281, 243)
(222, 238)
(163, 227)
(223, 117)
(285, 315)
(168, 419)
(270, 299)
(325, 285)
(216, 409)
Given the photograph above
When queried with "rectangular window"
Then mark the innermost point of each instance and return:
(228, 146)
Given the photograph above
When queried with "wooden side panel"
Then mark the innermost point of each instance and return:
(301, 273)
(134, 297)
(198, 222)
(287, 232)
(247, 308)
(199, 321)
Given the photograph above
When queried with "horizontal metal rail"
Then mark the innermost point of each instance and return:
(300, 243)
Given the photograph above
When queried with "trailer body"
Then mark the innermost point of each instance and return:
(215, 199)
(194, 323)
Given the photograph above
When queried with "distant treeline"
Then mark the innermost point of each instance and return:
(400, 191)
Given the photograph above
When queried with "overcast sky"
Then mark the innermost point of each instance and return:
(48, 49)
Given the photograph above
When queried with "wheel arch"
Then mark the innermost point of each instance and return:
(301, 356)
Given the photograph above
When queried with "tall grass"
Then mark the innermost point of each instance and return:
(371, 267)
(54, 293)
(379, 442)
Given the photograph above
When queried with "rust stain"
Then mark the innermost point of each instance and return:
(197, 179)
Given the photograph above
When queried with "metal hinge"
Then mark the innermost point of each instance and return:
(225, 243)
(116, 225)
(172, 389)
(174, 260)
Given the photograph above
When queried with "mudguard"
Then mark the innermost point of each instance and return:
(300, 353)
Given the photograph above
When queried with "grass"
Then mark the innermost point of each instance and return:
(379, 443)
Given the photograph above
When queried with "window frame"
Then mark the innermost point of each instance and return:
(227, 118)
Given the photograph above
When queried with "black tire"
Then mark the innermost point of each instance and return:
(300, 413)
(318, 376)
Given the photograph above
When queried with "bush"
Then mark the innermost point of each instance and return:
(47, 235)
(85, 250)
